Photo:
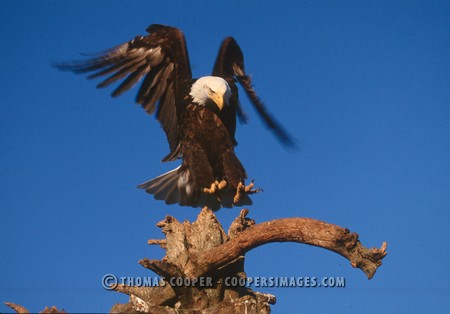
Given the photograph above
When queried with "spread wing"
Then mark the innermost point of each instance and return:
(160, 60)
(230, 66)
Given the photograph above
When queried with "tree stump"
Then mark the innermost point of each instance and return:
(205, 259)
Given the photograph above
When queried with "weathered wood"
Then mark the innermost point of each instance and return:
(18, 308)
(301, 230)
(158, 295)
(203, 249)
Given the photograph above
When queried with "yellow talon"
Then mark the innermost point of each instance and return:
(215, 186)
(222, 184)
(243, 190)
(212, 189)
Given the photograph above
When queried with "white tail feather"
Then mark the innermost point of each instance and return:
(173, 187)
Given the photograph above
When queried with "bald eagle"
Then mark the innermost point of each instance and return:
(198, 115)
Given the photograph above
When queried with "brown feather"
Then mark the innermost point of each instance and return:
(153, 59)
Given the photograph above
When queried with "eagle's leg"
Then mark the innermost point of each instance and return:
(243, 190)
(197, 162)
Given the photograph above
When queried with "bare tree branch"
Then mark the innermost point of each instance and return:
(162, 268)
(300, 230)
(161, 242)
(22, 310)
(18, 308)
(158, 295)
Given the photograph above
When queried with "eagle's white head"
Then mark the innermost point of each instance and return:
(211, 88)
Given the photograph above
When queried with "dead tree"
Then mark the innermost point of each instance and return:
(202, 250)
(205, 258)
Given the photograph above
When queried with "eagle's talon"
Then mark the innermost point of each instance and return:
(222, 184)
(215, 187)
(242, 191)
(212, 189)
(249, 187)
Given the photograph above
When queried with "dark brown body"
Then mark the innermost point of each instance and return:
(208, 149)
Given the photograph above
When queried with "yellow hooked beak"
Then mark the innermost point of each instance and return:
(218, 99)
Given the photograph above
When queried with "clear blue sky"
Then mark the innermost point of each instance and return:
(363, 86)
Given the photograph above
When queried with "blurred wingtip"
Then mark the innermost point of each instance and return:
(291, 144)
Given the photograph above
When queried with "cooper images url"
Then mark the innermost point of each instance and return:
(111, 281)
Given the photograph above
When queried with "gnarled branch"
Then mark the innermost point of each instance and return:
(300, 230)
